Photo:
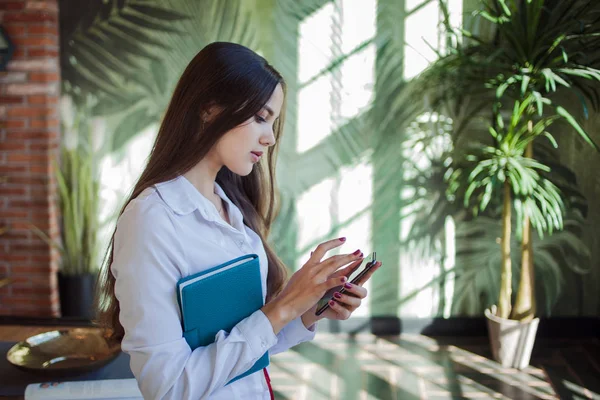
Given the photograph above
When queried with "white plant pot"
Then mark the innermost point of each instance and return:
(511, 341)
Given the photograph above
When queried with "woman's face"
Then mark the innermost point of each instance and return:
(243, 146)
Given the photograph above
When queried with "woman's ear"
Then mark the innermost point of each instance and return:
(209, 112)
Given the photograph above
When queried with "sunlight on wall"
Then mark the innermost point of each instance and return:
(421, 29)
(422, 265)
(358, 71)
(118, 178)
(324, 104)
(316, 116)
(355, 196)
(314, 108)
(314, 217)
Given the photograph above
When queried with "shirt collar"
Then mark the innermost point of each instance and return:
(183, 198)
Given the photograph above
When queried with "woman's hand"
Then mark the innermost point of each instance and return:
(309, 284)
(342, 305)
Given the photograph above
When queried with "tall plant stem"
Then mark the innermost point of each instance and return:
(525, 306)
(504, 301)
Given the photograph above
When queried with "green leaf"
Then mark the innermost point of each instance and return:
(131, 125)
(569, 118)
(159, 13)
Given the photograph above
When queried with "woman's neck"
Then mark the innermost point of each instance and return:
(203, 177)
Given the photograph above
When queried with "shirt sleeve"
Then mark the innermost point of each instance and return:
(292, 334)
(148, 261)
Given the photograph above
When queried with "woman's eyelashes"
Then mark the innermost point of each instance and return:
(260, 119)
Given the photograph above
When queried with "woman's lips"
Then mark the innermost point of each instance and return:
(256, 155)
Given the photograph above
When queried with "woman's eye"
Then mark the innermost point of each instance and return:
(260, 119)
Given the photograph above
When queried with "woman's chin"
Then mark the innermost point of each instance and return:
(242, 170)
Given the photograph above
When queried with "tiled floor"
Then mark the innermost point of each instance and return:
(418, 367)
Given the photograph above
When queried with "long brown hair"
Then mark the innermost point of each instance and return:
(239, 82)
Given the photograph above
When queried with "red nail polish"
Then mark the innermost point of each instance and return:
(357, 252)
(342, 239)
(332, 303)
(348, 286)
(337, 295)
(344, 279)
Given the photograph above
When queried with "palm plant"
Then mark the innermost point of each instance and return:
(504, 166)
(78, 182)
(536, 49)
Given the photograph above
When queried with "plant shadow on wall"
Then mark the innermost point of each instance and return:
(501, 178)
(128, 54)
(113, 52)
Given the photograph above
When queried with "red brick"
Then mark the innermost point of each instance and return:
(14, 124)
(50, 123)
(22, 281)
(45, 258)
(40, 147)
(33, 53)
(16, 236)
(29, 180)
(13, 5)
(15, 214)
(35, 41)
(25, 157)
(6, 146)
(30, 112)
(40, 169)
(10, 169)
(29, 248)
(32, 135)
(22, 270)
(42, 29)
(19, 53)
(11, 99)
(18, 191)
(27, 301)
(15, 30)
(42, 99)
(29, 17)
(43, 77)
(28, 203)
(32, 291)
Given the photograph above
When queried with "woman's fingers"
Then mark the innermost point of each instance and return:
(333, 263)
(341, 311)
(349, 269)
(323, 248)
(348, 300)
(355, 290)
(371, 272)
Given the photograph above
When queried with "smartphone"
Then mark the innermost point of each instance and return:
(323, 304)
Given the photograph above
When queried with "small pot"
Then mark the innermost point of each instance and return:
(77, 295)
(511, 341)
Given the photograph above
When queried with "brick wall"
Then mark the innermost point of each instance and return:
(29, 137)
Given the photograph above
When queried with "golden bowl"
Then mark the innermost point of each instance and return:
(72, 350)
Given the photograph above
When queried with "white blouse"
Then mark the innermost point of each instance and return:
(168, 232)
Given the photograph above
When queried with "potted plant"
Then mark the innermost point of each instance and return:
(510, 76)
(78, 194)
(504, 170)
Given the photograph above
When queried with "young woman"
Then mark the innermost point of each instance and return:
(202, 200)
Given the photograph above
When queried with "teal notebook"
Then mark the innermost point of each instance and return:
(217, 299)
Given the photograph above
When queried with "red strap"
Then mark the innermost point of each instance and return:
(269, 383)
